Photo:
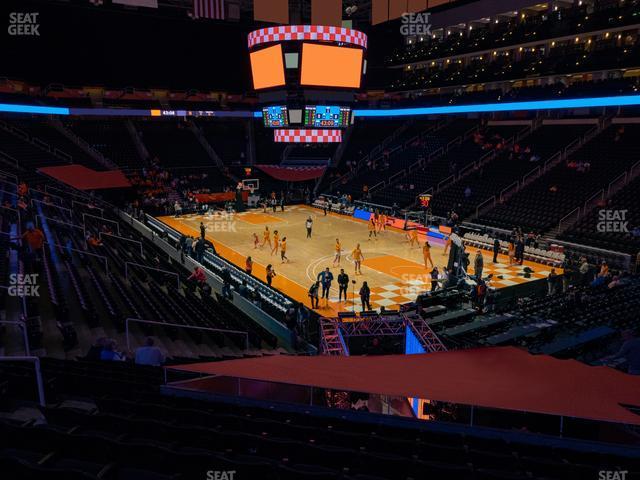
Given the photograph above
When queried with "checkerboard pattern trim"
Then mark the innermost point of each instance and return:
(307, 32)
(307, 136)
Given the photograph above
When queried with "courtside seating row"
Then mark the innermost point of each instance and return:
(538, 255)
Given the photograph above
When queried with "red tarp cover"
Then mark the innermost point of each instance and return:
(292, 174)
(83, 178)
(501, 377)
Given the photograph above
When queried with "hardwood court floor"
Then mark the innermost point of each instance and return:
(394, 271)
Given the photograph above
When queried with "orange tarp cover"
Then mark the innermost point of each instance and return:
(500, 377)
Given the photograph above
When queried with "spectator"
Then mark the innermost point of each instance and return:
(248, 265)
(552, 281)
(325, 278)
(271, 273)
(313, 294)
(478, 265)
(496, 249)
(110, 354)
(434, 279)
(198, 276)
(226, 283)
(96, 349)
(343, 285)
(34, 239)
(243, 290)
(149, 354)
(365, 295)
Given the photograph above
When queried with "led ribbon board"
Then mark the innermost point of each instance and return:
(298, 135)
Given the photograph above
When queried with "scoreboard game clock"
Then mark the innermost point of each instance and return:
(275, 116)
(329, 116)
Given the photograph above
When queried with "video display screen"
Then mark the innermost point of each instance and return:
(267, 67)
(319, 116)
(275, 116)
(329, 66)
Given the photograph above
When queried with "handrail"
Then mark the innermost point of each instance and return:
(526, 176)
(7, 174)
(36, 362)
(377, 185)
(23, 327)
(9, 193)
(508, 187)
(88, 205)
(634, 169)
(84, 221)
(483, 204)
(570, 214)
(126, 270)
(177, 325)
(122, 238)
(450, 177)
(46, 193)
(599, 193)
(51, 205)
(50, 219)
(84, 252)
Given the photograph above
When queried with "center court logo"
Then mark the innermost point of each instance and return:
(415, 24)
(23, 285)
(24, 24)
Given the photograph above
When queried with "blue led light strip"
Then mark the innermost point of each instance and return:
(6, 107)
(505, 107)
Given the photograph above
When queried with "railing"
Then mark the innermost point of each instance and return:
(51, 205)
(510, 189)
(483, 206)
(126, 270)
(569, 219)
(189, 327)
(22, 326)
(376, 186)
(7, 174)
(450, 179)
(73, 202)
(122, 238)
(50, 219)
(634, 170)
(592, 201)
(84, 221)
(554, 160)
(36, 363)
(83, 252)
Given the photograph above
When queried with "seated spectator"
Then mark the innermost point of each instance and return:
(149, 354)
(110, 354)
(96, 349)
(198, 276)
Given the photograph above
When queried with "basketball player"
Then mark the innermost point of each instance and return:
(413, 237)
(283, 250)
(309, 225)
(357, 259)
(426, 254)
(266, 237)
(382, 222)
(276, 242)
(372, 228)
(256, 240)
(336, 260)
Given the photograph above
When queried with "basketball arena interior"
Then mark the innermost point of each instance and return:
(320, 239)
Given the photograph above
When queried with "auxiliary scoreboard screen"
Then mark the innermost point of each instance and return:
(275, 116)
(326, 116)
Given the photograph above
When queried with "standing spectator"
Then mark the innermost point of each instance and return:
(511, 249)
(343, 285)
(178, 208)
(552, 281)
(149, 354)
(35, 241)
(271, 273)
(248, 265)
(520, 250)
(226, 283)
(434, 279)
(203, 229)
(198, 277)
(478, 265)
(200, 249)
(365, 295)
(313, 294)
(325, 278)
(496, 249)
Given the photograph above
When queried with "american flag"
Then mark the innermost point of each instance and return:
(212, 9)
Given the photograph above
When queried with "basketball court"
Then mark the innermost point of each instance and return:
(394, 271)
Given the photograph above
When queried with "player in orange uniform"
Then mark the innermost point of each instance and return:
(426, 254)
(256, 240)
(336, 260)
(266, 237)
(276, 242)
(357, 259)
(412, 236)
(382, 222)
